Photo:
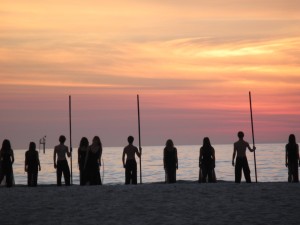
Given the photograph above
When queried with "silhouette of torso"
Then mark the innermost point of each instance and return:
(241, 146)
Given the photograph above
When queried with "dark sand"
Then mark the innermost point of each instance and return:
(181, 203)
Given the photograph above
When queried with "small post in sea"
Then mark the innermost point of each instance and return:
(43, 143)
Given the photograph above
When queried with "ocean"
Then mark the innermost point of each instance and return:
(270, 160)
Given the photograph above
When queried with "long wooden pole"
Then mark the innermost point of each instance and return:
(253, 134)
(70, 126)
(139, 128)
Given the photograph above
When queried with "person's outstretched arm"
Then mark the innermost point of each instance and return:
(68, 152)
(251, 149)
(139, 153)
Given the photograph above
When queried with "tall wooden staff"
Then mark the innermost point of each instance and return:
(253, 135)
(70, 125)
(139, 126)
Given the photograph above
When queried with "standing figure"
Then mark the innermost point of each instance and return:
(292, 159)
(93, 162)
(239, 150)
(6, 161)
(82, 152)
(207, 161)
(130, 166)
(32, 165)
(170, 161)
(61, 165)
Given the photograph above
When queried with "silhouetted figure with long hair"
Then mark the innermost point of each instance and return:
(239, 150)
(61, 165)
(82, 153)
(7, 159)
(93, 162)
(170, 161)
(292, 159)
(32, 165)
(207, 162)
(130, 166)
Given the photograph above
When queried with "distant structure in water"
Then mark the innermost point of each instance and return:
(43, 143)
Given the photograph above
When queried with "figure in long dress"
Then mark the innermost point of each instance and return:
(292, 159)
(93, 162)
(32, 165)
(170, 162)
(82, 153)
(6, 161)
(207, 162)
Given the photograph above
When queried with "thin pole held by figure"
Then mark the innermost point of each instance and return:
(139, 129)
(253, 134)
(70, 123)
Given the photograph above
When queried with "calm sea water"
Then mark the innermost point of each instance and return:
(270, 164)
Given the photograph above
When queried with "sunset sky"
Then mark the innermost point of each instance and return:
(192, 62)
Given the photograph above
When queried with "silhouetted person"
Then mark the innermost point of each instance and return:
(170, 161)
(239, 150)
(82, 153)
(93, 162)
(7, 159)
(130, 166)
(292, 159)
(207, 161)
(61, 165)
(32, 165)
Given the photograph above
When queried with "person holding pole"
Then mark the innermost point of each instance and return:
(239, 151)
(130, 165)
(61, 165)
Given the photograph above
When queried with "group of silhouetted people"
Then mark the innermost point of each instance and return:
(89, 161)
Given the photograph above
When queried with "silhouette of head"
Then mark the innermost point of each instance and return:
(241, 134)
(130, 139)
(62, 139)
(169, 143)
(84, 142)
(6, 145)
(206, 142)
(96, 141)
(32, 146)
(292, 139)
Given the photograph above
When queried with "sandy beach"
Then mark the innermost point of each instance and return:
(155, 203)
